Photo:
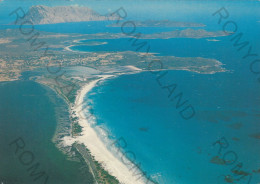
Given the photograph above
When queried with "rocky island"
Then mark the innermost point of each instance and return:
(62, 14)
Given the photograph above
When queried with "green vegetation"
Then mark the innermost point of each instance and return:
(65, 86)
(99, 174)
(103, 176)
(76, 129)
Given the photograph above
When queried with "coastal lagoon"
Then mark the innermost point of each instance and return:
(29, 116)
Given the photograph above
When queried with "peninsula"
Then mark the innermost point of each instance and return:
(161, 23)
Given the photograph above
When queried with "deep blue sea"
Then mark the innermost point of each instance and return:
(136, 108)
(169, 148)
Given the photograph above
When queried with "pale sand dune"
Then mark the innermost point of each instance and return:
(134, 68)
(97, 148)
(2, 41)
(68, 48)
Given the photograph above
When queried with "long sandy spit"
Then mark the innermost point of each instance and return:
(97, 147)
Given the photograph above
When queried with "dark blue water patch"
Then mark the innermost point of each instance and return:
(222, 50)
(27, 115)
(182, 47)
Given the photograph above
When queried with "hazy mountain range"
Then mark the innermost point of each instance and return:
(61, 14)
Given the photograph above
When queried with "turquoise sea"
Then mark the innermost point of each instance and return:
(136, 108)
(169, 148)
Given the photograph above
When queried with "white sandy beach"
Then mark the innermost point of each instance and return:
(68, 48)
(98, 149)
(133, 68)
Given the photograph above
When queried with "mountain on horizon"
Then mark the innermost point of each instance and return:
(62, 14)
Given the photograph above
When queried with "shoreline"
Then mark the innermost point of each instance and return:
(98, 149)
(68, 48)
